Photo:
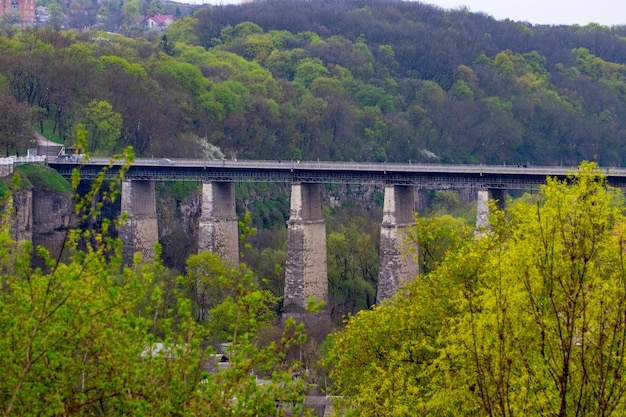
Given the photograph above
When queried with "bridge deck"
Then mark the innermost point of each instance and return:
(436, 176)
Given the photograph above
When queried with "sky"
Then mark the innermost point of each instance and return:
(549, 12)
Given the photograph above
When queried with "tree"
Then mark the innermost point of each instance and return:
(352, 267)
(130, 18)
(80, 15)
(92, 337)
(307, 70)
(16, 131)
(525, 320)
(137, 96)
(104, 124)
(545, 322)
(9, 22)
(379, 361)
(204, 272)
(436, 236)
(155, 7)
(166, 45)
(182, 30)
(56, 15)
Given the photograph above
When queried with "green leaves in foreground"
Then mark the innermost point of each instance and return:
(94, 337)
(527, 320)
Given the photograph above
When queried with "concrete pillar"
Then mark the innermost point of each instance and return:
(141, 230)
(305, 270)
(218, 226)
(397, 266)
(482, 207)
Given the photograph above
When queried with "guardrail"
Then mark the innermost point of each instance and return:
(7, 163)
(418, 174)
(18, 160)
(340, 166)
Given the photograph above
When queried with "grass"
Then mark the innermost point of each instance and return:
(4, 189)
(43, 177)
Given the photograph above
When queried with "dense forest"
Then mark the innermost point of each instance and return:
(355, 80)
(526, 318)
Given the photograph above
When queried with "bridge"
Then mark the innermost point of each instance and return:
(437, 176)
(305, 271)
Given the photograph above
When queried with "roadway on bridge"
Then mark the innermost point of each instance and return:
(436, 176)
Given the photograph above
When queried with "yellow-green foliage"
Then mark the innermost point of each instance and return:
(92, 336)
(528, 319)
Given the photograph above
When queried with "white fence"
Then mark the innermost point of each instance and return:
(7, 164)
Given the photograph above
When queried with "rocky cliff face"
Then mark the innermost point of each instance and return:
(178, 227)
(51, 216)
(41, 217)
(51, 211)
(22, 215)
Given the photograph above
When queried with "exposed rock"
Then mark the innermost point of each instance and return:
(178, 227)
(22, 215)
(41, 217)
(51, 214)
(51, 211)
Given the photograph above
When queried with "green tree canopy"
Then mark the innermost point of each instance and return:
(155, 7)
(16, 132)
(92, 336)
(56, 15)
(526, 320)
(104, 125)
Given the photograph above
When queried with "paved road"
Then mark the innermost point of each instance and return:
(350, 166)
(436, 176)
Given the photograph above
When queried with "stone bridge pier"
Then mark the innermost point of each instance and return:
(305, 270)
(396, 265)
(482, 207)
(141, 231)
(306, 265)
(218, 226)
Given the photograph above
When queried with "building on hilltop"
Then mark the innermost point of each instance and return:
(23, 9)
(155, 22)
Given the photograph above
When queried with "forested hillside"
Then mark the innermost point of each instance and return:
(355, 80)
(527, 319)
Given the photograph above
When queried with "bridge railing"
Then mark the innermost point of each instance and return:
(361, 166)
(342, 166)
(7, 163)
(174, 169)
(18, 160)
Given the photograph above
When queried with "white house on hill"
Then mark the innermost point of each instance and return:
(156, 22)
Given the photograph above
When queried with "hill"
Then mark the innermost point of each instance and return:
(366, 80)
